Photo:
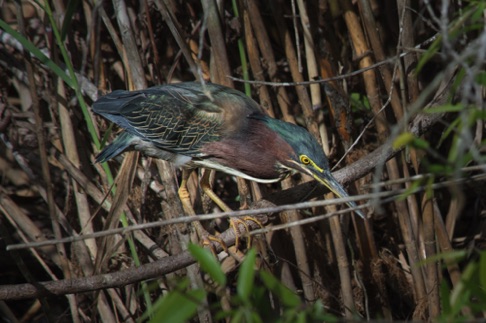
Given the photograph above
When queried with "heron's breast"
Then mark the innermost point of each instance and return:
(257, 156)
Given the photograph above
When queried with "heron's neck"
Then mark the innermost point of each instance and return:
(259, 153)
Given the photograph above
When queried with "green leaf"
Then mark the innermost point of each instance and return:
(482, 269)
(255, 318)
(243, 314)
(458, 80)
(285, 295)
(403, 140)
(177, 306)
(246, 276)
(420, 143)
(208, 263)
(461, 292)
(71, 8)
(222, 315)
(446, 108)
(359, 101)
(30, 47)
(478, 114)
(453, 256)
(454, 150)
(429, 54)
(302, 317)
(453, 126)
(237, 317)
(481, 78)
(445, 294)
(414, 187)
(409, 139)
(440, 169)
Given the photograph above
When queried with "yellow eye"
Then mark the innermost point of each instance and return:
(305, 160)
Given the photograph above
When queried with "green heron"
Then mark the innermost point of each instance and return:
(214, 127)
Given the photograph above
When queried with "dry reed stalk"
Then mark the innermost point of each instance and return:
(362, 51)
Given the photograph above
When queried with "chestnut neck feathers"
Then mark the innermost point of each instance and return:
(269, 145)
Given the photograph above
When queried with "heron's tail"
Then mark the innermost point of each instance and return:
(119, 145)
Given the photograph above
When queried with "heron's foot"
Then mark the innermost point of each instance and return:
(237, 223)
(207, 239)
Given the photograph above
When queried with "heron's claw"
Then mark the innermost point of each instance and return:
(208, 239)
(234, 224)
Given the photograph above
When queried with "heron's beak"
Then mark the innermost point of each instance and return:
(326, 179)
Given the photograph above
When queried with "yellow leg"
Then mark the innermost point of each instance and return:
(234, 222)
(204, 236)
(184, 193)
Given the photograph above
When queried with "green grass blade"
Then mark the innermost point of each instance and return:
(30, 47)
(208, 263)
(246, 276)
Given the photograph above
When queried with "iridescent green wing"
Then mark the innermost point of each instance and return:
(180, 118)
(171, 120)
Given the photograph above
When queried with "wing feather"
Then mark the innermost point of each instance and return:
(181, 117)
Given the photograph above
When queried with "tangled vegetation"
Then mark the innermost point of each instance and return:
(394, 91)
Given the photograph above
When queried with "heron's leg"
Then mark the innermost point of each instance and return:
(185, 198)
(234, 222)
(184, 193)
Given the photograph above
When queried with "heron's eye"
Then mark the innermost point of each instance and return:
(305, 160)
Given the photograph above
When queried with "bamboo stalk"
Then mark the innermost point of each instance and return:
(290, 53)
(445, 246)
(283, 100)
(297, 233)
(45, 169)
(343, 266)
(379, 54)
(256, 67)
(372, 91)
(312, 68)
(386, 74)
(432, 282)
(70, 146)
(408, 41)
